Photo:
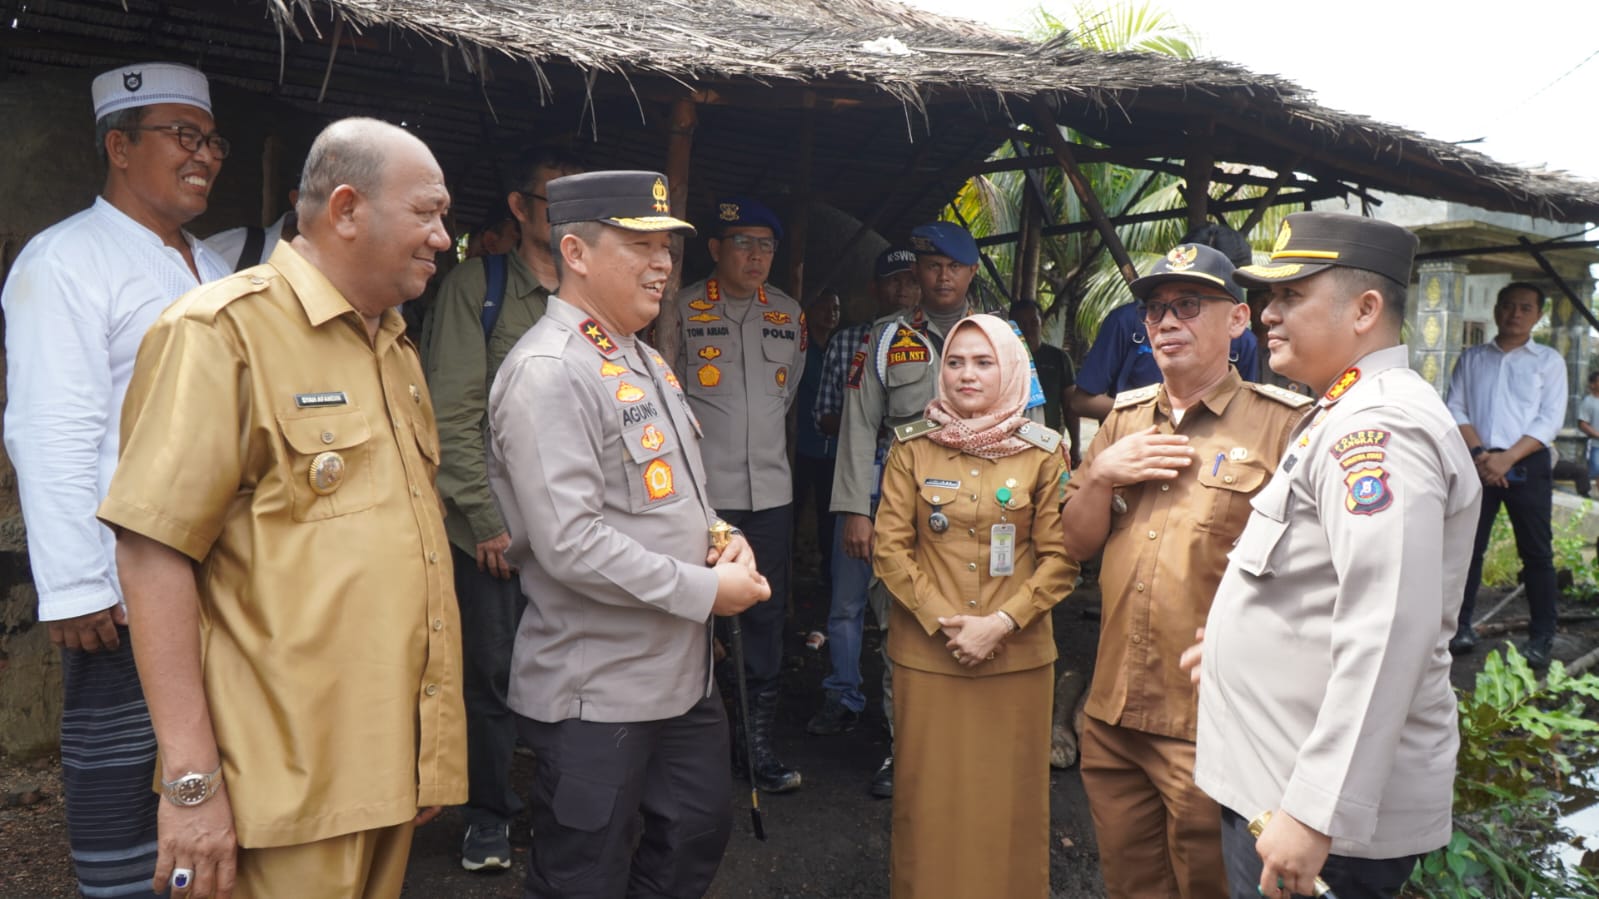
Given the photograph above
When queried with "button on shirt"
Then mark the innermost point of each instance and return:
(77, 303)
(1325, 684)
(1165, 554)
(1507, 394)
(596, 465)
(329, 632)
(741, 361)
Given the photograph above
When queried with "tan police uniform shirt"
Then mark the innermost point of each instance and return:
(933, 574)
(265, 437)
(595, 462)
(1166, 552)
(1325, 682)
(741, 361)
(460, 365)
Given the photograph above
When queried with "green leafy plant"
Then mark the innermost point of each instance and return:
(1521, 740)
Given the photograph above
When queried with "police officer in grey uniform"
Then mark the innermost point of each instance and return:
(1324, 695)
(609, 516)
(740, 355)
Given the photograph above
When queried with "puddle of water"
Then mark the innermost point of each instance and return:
(1580, 815)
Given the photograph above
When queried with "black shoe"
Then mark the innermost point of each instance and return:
(769, 773)
(486, 847)
(1537, 652)
(1464, 640)
(834, 718)
(883, 781)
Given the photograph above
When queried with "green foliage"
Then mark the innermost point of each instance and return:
(1521, 740)
(1572, 548)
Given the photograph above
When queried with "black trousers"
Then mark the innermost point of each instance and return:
(813, 485)
(769, 533)
(1528, 504)
(1350, 878)
(642, 809)
(491, 609)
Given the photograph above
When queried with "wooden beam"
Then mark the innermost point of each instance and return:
(1074, 176)
(1506, 248)
(1549, 270)
(1030, 254)
(1197, 164)
(799, 214)
(1269, 198)
(679, 146)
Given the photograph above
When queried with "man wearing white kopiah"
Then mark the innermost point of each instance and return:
(77, 303)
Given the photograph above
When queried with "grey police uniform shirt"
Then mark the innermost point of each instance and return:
(1325, 682)
(595, 463)
(741, 361)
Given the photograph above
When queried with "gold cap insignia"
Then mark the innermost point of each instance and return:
(659, 192)
(1283, 237)
(1181, 258)
(729, 212)
(923, 245)
(327, 473)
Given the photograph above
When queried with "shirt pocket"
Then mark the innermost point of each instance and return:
(779, 353)
(656, 476)
(1256, 551)
(330, 462)
(1228, 489)
(956, 507)
(909, 386)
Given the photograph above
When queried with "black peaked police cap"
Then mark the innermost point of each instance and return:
(1311, 242)
(633, 201)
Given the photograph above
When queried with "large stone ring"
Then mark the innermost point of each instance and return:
(181, 878)
(956, 654)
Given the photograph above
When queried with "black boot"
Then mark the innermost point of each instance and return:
(770, 774)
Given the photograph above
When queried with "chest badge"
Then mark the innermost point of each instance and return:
(327, 473)
(652, 438)
(782, 376)
(938, 522)
(709, 375)
(628, 393)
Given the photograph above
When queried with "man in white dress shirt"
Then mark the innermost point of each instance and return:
(1509, 397)
(77, 304)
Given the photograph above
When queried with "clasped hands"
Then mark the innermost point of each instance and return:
(975, 639)
(739, 584)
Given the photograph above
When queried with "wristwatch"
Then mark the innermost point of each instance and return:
(193, 788)
(1478, 450)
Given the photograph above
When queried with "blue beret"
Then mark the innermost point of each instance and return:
(944, 239)
(743, 212)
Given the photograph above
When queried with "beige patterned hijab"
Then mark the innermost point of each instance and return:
(990, 434)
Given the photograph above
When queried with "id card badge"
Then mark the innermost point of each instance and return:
(1002, 550)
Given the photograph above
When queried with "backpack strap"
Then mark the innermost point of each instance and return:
(254, 242)
(494, 270)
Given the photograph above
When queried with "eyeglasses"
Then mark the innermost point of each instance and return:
(533, 196)
(1183, 308)
(190, 138)
(745, 243)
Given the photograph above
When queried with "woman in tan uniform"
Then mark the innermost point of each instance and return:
(969, 544)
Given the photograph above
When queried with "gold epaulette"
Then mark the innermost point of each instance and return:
(918, 428)
(204, 302)
(1044, 438)
(1134, 397)
(1286, 397)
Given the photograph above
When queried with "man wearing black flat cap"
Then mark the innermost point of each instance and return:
(1324, 694)
(1163, 491)
(609, 521)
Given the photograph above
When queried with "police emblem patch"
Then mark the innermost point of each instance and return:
(1344, 382)
(709, 375)
(628, 393)
(1182, 258)
(907, 348)
(704, 317)
(728, 212)
(1368, 491)
(658, 480)
(777, 318)
(609, 369)
(857, 367)
(709, 353)
(701, 305)
(1365, 437)
(658, 192)
(782, 376)
(652, 438)
(132, 81)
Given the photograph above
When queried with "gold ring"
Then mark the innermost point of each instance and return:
(990, 657)
(956, 654)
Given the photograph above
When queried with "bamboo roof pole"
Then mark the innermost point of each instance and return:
(679, 147)
(1074, 177)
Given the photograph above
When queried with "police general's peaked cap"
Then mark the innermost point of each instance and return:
(1194, 263)
(1311, 242)
(633, 201)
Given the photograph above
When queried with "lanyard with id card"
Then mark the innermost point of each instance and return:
(1002, 550)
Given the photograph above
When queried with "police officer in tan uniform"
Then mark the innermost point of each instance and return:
(609, 520)
(1324, 694)
(741, 354)
(1164, 491)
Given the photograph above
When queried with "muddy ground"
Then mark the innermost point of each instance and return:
(828, 840)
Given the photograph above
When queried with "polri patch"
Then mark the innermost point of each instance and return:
(1368, 491)
(906, 348)
(1356, 439)
(328, 398)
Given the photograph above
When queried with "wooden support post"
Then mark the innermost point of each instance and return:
(1074, 177)
(1269, 198)
(1196, 172)
(799, 222)
(272, 193)
(1029, 251)
(679, 147)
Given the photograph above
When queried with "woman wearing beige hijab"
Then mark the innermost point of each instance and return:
(969, 544)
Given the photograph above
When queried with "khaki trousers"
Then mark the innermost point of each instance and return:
(368, 864)
(1159, 835)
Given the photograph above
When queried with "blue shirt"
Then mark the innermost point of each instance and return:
(1121, 358)
(808, 440)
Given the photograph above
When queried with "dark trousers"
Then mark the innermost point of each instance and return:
(1350, 878)
(490, 611)
(813, 484)
(107, 766)
(641, 809)
(1528, 504)
(769, 532)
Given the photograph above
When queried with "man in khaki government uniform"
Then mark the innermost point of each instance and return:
(483, 307)
(1324, 696)
(1164, 491)
(741, 354)
(894, 377)
(610, 530)
(282, 551)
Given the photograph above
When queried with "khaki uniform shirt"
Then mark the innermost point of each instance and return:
(329, 637)
(741, 361)
(595, 461)
(1165, 554)
(1325, 682)
(933, 574)
(460, 367)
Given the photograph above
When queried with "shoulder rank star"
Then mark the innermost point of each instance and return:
(595, 334)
